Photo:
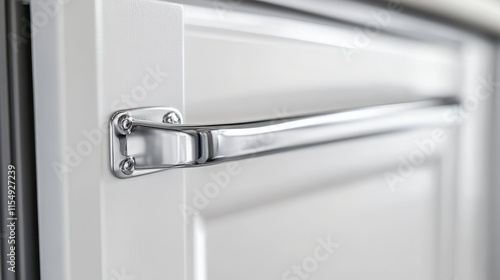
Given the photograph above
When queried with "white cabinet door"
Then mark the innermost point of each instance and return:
(91, 59)
(327, 212)
(408, 204)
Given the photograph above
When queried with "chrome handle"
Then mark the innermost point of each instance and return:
(152, 139)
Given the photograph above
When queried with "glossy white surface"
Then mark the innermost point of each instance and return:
(91, 57)
(141, 51)
(450, 224)
(481, 15)
(264, 72)
(269, 215)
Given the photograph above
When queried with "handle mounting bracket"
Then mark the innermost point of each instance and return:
(125, 144)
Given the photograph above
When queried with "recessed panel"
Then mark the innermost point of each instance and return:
(351, 230)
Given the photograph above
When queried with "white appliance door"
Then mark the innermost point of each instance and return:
(406, 204)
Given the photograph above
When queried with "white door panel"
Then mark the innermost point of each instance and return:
(141, 62)
(130, 55)
(376, 234)
(260, 65)
(255, 218)
(264, 215)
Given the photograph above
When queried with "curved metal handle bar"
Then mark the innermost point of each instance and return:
(148, 140)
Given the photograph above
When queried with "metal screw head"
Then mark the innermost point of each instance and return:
(127, 165)
(171, 118)
(125, 122)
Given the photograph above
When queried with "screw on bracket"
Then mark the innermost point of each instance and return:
(125, 124)
(171, 118)
(127, 165)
